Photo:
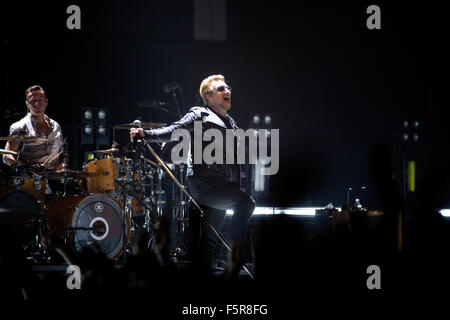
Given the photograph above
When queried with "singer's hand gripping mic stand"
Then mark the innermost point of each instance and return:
(202, 214)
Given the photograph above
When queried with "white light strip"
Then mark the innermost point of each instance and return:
(445, 212)
(298, 211)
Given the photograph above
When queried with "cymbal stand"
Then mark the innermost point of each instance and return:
(65, 157)
(149, 201)
(40, 253)
(159, 191)
(64, 181)
(124, 186)
(180, 217)
(142, 195)
(192, 200)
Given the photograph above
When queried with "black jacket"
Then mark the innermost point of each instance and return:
(210, 120)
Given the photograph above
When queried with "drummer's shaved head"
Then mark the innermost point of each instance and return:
(34, 88)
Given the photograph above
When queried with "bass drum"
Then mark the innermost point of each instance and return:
(92, 221)
(19, 212)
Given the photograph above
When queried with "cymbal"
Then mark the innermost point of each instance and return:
(152, 104)
(57, 175)
(4, 151)
(145, 125)
(108, 151)
(23, 138)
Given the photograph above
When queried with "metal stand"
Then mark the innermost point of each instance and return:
(38, 252)
(179, 216)
(202, 213)
(124, 220)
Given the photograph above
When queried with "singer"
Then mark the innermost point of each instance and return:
(215, 186)
(37, 124)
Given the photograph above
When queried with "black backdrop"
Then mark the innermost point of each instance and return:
(338, 91)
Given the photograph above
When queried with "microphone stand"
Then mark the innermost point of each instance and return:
(202, 213)
(176, 103)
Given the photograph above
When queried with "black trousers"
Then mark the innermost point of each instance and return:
(215, 196)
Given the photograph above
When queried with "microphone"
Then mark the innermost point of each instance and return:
(171, 87)
(99, 230)
(136, 124)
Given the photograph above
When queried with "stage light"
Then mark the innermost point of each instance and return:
(416, 124)
(101, 114)
(257, 184)
(87, 125)
(296, 211)
(405, 136)
(416, 137)
(87, 129)
(405, 124)
(445, 212)
(102, 125)
(94, 126)
(101, 130)
(87, 114)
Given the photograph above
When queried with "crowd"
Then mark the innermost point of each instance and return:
(288, 261)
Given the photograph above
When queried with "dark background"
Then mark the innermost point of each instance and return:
(338, 91)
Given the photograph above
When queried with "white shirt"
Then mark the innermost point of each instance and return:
(38, 151)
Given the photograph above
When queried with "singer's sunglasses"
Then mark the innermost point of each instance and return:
(222, 88)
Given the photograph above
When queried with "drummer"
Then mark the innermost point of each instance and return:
(36, 124)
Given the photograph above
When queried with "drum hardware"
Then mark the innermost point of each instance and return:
(180, 217)
(65, 173)
(158, 105)
(37, 185)
(192, 200)
(145, 125)
(65, 176)
(171, 88)
(27, 182)
(131, 181)
(159, 201)
(125, 193)
(94, 219)
(95, 229)
(152, 104)
(40, 251)
(123, 184)
(110, 151)
(31, 184)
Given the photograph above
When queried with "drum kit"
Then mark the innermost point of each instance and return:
(101, 206)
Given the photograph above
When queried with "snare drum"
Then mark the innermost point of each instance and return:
(28, 185)
(91, 220)
(104, 171)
